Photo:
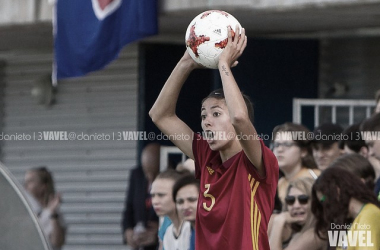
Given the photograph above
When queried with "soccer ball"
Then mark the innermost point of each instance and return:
(207, 36)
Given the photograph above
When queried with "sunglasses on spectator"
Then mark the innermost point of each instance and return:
(302, 199)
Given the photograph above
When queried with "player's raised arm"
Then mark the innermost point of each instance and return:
(237, 107)
(163, 111)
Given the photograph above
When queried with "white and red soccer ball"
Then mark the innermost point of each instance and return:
(207, 36)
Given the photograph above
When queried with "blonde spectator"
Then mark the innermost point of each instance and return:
(39, 183)
(295, 225)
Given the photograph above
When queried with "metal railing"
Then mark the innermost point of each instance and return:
(298, 103)
(333, 104)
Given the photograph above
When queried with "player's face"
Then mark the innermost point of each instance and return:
(187, 201)
(288, 153)
(33, 185)
(300, 208)
(324, 155)
(162, 199)
(216, 124)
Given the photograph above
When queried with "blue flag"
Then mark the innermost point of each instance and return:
(90, 33)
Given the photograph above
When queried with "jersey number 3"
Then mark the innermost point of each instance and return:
(207, 195)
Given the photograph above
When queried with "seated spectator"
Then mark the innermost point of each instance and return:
(354, 142)
(371, 133)
(183, 168)
(139, 221)
(294, 157)
(359, 166)
(294, 227)
(371, 129)
(377, 98)
(39, 183)
(177, 235)
(339, 199)
(185, 194)
(326, 144)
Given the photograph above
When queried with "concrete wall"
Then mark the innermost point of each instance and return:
(31, 11)
(25, 11)
(177, 5)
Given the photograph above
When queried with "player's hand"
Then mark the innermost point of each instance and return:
(234, 48)
(189, 61)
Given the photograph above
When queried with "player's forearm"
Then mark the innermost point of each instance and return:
(234, 99)
(166, 102)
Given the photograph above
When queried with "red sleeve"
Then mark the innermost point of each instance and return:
(269, 163)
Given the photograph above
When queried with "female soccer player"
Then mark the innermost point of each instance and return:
(238, 174)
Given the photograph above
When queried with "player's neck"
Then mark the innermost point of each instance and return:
(230, 151)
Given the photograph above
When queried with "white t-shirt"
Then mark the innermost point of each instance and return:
(47, 224)
(43, 216)
(171, 242)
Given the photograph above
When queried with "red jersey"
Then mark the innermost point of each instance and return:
(235, 202)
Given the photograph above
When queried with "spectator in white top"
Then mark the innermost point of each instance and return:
(40, 185)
